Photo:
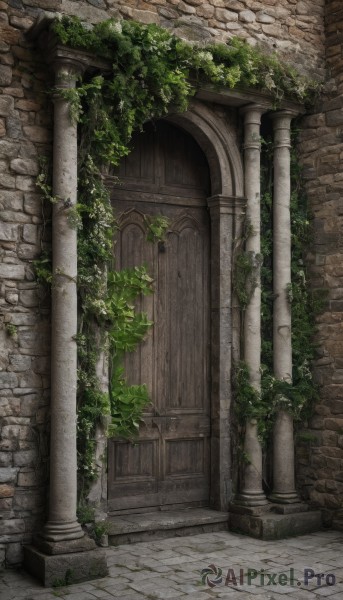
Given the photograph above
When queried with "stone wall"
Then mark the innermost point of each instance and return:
(295, 28)
(25, 134)
(320, 469)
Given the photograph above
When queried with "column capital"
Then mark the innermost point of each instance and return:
(252, 112)
(225, 205)
(252, 121)
(67, 72)
(282, 127)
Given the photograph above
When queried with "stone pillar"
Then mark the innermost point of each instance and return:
(222, 211)
(62, 545)
(62, 523)
(283, 443)
(252, 492)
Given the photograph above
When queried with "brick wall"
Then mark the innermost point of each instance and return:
(321, 462)
(295, 28)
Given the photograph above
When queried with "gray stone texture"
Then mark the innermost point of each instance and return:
(296, 30)
(319, 459)
(172, 569)
(65, 568)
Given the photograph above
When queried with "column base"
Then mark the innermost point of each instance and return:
(284, 497)
(64, 569)
(270, 526)
(251, 499)
(55, 531)
(49, 547)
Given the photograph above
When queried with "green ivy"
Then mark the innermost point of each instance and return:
(149, 73)
(296, 397)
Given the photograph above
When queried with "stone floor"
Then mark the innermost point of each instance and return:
(187, 568)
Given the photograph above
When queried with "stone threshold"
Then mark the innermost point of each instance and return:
(274, 522)
(132, 528)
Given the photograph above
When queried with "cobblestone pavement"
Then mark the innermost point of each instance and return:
(172, 569)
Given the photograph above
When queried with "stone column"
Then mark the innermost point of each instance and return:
(222, 211)
(252, 492)
(62, 522)
(62, 550)
(283, 443)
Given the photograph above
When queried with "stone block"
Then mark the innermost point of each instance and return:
(12, 526)
(29, 298)
(16, 272)
(25, 458)
(18, 362)
(275, 527)
(147, 16)
(12, 297)
(334, 117)
(5, 75)
(5, 459)
(226, 15)
(11, 200)
(8, 475)
(65, 568)
(6, 490)
(37, 134)
(13, 127)
(247, 16)
(14, 554)
(30, 233)
(30, 380)
(186, 8)
(30, 478)
(29, 500)
(89, 13)
(8, 232)
(24, 166)
(8, 380)
(262, 17)
(6, 505)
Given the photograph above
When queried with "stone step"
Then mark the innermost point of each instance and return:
(128, 529)
(272, 526)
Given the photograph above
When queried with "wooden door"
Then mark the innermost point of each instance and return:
(167, 174)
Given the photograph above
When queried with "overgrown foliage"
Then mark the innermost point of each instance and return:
(149, 72)
(297, 397)
(306, 303)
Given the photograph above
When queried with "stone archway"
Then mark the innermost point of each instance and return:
(135, 194)
(218, 140)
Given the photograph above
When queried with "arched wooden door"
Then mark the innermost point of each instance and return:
(169, 464)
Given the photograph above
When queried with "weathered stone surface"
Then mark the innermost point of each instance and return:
(16, 272)
(6, 106)
(11, 200)
(145, 16)
(84, 565)
(225, 15)
(24, 458)
(24, 167)
(8, 232)
(8, 475)
(247, 16)
(296, 30)
(8, 526)
(5, 75)
(14, 554)
(6, 490)
(8, 380)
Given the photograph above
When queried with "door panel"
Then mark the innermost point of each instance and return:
(169, 463)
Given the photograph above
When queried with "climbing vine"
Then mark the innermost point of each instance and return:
(306, 303)
(297, 397)
(149, 73)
